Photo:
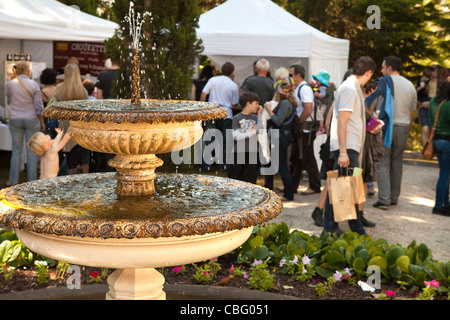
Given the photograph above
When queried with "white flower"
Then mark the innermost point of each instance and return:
(294, 261)
(365, 287)
(282, 262)
(40, 263)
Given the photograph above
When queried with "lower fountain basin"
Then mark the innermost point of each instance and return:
(79, 219)
(183, 205)
(134, 253)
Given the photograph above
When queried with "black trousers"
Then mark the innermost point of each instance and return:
(247, 171)
(302, 158)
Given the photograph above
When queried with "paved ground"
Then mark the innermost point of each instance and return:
(411, 219)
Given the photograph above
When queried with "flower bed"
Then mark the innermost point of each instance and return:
(274, 259)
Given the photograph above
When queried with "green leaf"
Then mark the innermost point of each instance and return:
(256, 242)
(358, 265)
(395, 271)
(292, 248)
(324, 272)
(415, 268)
(261, 253)
(403, 262)
(276, 251)
(378, 261)
(15, 251)
(335, 259)
(420, 277)
(349, 255)
(393, 254)
(338, 244)
(5, 248)
(423, 252)
(364, 255)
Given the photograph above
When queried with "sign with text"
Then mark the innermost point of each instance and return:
(91, 55)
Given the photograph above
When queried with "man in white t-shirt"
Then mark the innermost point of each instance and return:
(347, 133)
(225, 92)
(302, 151)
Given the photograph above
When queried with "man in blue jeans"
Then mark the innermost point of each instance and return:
(347, 133)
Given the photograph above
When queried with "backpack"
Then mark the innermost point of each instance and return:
(329, 98)
(313, 125)
(296, 126)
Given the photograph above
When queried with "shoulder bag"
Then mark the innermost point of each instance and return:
(31, 96)
(428, 150)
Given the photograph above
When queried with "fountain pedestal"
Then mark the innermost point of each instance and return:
(135, 174)
(136, 284)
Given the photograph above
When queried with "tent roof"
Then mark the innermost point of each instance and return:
(261, 28)
(50, 20)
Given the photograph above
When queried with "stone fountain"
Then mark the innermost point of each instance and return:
(134, 220)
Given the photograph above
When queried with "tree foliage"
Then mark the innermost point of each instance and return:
(169, 47)
(414, 30)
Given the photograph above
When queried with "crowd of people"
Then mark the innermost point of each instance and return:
(46, 140)
(266, 106)
(272, 123)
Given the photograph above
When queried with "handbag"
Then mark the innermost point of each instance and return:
(428, 150)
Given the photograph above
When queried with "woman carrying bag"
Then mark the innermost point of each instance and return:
(441, 145)
(281, 119)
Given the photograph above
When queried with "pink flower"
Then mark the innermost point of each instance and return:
(306, 260)
(347, 270)
(232, 268)
(337, 275)
(205, 273)
(177, 269)
(390, 293)
(432, 283)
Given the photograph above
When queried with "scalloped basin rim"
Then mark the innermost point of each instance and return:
(123, 110)
(177, 210)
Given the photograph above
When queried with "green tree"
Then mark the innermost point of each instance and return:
(87, 6)
(169, 47)
(100, 8)
(415, 30)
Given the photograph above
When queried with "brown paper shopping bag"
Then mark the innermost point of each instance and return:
(340, 193)
(358, 191)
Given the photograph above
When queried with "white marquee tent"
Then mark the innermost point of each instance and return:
(50, 20)
(31, 26)
(242, 31)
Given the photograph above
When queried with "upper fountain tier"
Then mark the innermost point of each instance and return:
(135, 133)
(123, 110)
